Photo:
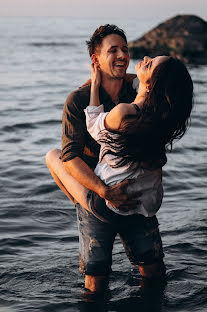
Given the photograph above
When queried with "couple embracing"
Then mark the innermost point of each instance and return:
(113, 149)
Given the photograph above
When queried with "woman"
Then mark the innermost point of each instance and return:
(164, 101)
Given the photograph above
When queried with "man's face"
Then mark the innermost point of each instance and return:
(113, 57)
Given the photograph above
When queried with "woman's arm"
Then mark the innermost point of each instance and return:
(95, 84)
(117, 114)
(94, 111)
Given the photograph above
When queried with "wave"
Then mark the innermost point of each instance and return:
(52, 44)
(29, 125)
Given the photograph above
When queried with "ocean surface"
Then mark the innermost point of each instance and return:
(41, 61)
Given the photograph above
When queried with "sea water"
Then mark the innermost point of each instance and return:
(42, 61)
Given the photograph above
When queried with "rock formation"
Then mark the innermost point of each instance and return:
(183, 36)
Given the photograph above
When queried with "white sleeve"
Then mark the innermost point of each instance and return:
(95, 116)
(135, 84)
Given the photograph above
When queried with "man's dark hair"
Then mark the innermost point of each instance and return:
(100, 33)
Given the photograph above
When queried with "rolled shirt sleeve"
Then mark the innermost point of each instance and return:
(95, 117)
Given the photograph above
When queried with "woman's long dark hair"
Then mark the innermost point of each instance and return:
(164, 117)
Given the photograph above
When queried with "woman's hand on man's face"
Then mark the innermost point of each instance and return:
(95, 75)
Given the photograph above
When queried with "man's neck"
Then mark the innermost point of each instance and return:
(112, 87)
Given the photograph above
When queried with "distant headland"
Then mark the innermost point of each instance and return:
(183, 36)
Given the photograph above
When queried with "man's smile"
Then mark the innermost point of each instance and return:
(120, 64)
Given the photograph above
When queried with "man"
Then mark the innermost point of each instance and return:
(107, 48)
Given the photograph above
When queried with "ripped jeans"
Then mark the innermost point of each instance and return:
(140, 237)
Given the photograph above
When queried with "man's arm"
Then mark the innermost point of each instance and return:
(115, 194)
(85, 175)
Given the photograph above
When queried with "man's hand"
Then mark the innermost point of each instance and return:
(120, 197)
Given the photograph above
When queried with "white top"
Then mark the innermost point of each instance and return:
(149, 182)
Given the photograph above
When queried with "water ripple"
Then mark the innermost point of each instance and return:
(48, 216)
(38, 228)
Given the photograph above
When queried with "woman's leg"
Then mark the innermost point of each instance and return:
(72, 189)
(76, 193)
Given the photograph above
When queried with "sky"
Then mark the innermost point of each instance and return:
(145, 9)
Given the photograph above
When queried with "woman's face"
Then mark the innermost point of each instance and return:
(144, 69)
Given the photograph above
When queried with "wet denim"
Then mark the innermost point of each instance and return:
(140, 237)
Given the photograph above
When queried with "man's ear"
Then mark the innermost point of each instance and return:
(94, 59)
